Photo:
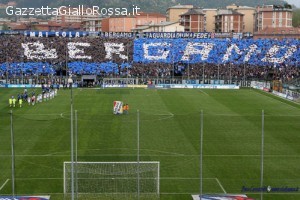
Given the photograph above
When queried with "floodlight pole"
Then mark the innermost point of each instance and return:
(22, 66)
(127, 63)
(189, 70)
(262, 155)
(218, 73)
(244, 75)
(72, 145)
(173, 73)
(138, 154)
(76, 154)
(6, 62)
(201, 154)
(230, 79)
(203, 74)
(70, 83)
(12, 155)
(66, 54)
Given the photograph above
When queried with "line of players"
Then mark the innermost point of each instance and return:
(32, 99)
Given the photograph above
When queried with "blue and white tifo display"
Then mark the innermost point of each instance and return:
(218, 51)
(150, 47)
(34, 55)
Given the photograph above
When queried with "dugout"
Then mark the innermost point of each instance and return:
(88, 80)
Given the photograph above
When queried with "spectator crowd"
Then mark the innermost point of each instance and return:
(163, 58)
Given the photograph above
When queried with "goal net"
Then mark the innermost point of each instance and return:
(112, 180)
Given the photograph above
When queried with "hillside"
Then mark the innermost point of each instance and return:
(146, 6)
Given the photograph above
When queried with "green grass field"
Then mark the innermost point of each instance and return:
(169, 133)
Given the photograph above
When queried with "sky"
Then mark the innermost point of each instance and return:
(295, 2)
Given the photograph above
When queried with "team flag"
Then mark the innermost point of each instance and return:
(118, 107)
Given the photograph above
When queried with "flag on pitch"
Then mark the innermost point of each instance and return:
(118, 107)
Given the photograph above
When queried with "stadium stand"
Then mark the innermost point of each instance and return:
(237, 59)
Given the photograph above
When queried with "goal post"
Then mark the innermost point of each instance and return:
(110, 180)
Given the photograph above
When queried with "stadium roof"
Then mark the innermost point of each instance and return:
(194, 11)
(245, 7)
(141, 28)
(279, 30)
(164, 24)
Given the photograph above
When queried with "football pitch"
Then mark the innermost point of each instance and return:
(169, 127)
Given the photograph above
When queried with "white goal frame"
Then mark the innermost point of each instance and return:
(133, 162)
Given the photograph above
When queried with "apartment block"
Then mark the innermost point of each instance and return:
(173, 13)
(229, 20)
(76, 15)
(92, 25)
(193, 20)
(274, 16)
(249, 16)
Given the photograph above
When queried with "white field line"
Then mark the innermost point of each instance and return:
(39, 179)
(2, 186)
(166, 113)
(183, 178)
(278, 97)
(161, 178)
(221, 186)
(204, 92)
(174, 193)
(270, 193)
(154, 155)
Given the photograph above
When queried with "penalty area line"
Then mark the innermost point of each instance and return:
(2, 186)
(204, 92)
(221, 186)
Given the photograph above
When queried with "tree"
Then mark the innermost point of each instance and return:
(5, 27)
(296, 18)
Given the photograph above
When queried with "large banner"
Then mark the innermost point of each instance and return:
(69, 34)
(24, 197)
(150, 35)
(106, 54)
(11, 32)
(266, 86)
(197, 86)
(165, 35)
